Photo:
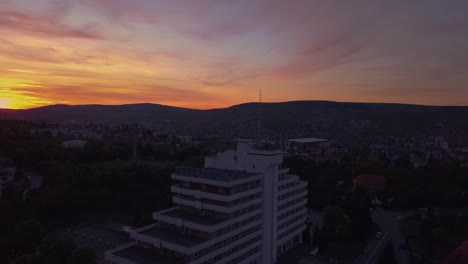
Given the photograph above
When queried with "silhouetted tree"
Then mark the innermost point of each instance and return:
(334, 220)
(28, 259)
(316, 236)
(83, 255)
(388, 255)
(56, 249)
(28, 235)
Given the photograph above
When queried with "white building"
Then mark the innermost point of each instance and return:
(74, 144)
(243, 207)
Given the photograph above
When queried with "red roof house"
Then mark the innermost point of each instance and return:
(370, 181)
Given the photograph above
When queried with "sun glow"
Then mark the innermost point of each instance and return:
(3, 103)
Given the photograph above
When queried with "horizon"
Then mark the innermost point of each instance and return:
(205, 55)
(242, 103)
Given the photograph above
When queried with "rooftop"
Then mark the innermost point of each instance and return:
(370, 180)
(193, 217)
(213, 173)
(170, 235)
(99, 237)
(142, 256)
(308, 140)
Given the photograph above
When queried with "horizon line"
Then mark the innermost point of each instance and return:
(199, 109)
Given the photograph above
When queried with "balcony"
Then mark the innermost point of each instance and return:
(292, 216)
(166, 238)
(299, 185)
(302, 202)
(284, 179)
(240, 253)
(214, 196)
(219, 251)
(293, 233)
(198, 222)
(293, 197)
(163, 237)
(217, 208)
(133, 254)
(213, 176)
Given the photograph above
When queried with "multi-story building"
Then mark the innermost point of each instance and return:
(243, 207)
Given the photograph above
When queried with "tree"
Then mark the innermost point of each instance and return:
(28, 259)
(388, 255)
(306, 234)
(316, 236)
(334, 219)
(28, 234)
(83, 255)
(57, 248)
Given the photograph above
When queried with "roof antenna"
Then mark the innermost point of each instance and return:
(259, 115)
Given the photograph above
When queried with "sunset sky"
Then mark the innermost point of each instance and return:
(216, 53)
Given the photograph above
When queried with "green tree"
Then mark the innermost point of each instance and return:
(83, 255)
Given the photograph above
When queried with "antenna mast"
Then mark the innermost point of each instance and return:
(260, 115)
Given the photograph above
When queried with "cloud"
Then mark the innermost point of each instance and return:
(44, 25)
(112, 94)
(211, 51)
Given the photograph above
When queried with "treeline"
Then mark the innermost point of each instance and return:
(96, 183)
(32, 245)
(438, 184)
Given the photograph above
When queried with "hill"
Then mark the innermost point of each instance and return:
(319, 118)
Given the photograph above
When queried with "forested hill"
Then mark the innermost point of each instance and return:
(288, 117)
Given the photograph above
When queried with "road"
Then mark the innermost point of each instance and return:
(374, 248)
(389, 223)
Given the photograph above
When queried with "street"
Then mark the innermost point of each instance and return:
(389, 224)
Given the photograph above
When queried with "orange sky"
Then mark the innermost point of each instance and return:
(207, 54)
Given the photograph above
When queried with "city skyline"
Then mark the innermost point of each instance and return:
(211, 54)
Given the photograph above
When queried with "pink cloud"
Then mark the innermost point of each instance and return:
(44, 25)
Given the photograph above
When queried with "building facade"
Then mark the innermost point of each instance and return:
(243, 207)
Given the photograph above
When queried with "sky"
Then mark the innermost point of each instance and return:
(216, 53)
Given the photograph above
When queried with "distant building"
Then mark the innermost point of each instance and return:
(74, 144)
(440, 142)
(306, 146)
(371, 182)
(7, 172)
(243, 207)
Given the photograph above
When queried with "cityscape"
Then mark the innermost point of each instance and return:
(256, 132)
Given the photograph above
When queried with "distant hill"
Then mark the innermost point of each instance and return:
(99, 113)
(295, 118)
